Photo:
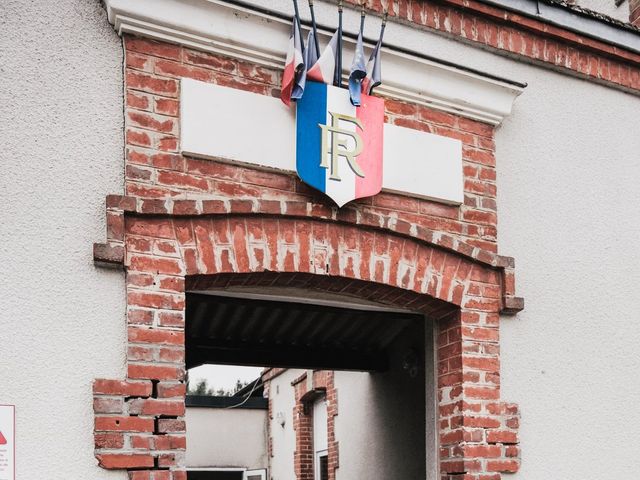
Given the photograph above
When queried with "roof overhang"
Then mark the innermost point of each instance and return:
(575, 19)
(259, 36)
(292, 331)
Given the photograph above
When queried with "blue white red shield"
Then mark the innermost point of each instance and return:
(338, 145)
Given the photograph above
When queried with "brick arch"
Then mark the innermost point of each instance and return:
(244, 244)
(169, 246)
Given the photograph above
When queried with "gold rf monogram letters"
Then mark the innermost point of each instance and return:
(338, 146)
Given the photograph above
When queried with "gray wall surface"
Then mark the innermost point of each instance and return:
(218, 437)
(380, 426)
(62, 320)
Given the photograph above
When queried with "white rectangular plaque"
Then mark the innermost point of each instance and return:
(7, 442)
(234, 125)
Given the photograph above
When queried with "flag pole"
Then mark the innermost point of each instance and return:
(315, 29)
(384, 24)
(297, 13)
(339, 68)
(362, 15)
(382, 27)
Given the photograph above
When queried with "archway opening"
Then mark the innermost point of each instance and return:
(368, 365)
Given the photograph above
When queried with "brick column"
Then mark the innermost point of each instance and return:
(478, 432)
(322, 386)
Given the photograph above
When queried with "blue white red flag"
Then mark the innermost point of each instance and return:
(374, 70)
(358, 72)
(310, 55)
(323, 69)
(309, 59)
(294, 65)
(339, 145)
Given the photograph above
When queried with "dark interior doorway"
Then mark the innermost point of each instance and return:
(249, 328)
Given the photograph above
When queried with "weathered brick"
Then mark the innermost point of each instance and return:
(114, 461)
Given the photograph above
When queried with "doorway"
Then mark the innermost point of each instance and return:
(342, 385)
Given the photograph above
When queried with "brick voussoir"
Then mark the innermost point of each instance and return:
(293, 209)
(113, 254)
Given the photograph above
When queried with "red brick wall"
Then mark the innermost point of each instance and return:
(189, 223)
(511, 34)
(155, 169)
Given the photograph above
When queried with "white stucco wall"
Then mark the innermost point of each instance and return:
(569, 205)
(62, 320)
(283, 436)
(568, 164)
(219, 437)
(568, 161)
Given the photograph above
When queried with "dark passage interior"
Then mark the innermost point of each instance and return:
(247, 328)
(374, 408)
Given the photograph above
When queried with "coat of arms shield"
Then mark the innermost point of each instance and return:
(338, 145)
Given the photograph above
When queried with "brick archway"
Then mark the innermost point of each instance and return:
(167, 246)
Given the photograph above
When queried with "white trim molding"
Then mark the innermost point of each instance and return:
(260, 37)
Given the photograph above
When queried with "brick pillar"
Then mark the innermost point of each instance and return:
(478, 432)
(323, 385)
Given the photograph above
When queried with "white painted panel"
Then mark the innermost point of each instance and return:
(422, 164)
(230, 124)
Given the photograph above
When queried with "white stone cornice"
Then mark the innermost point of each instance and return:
(261, 38)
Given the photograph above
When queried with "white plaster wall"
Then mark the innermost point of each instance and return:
(568, 165)
(62, 320)
(219, 437)
(283, 400)
(568, 162)
(608, 7)
(569, 211)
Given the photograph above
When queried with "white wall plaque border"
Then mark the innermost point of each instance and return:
(215, 123)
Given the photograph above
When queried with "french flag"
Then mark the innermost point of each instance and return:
(313, 110)
(323, 70)
(358, 72)
(294, 64)
(374, 73)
